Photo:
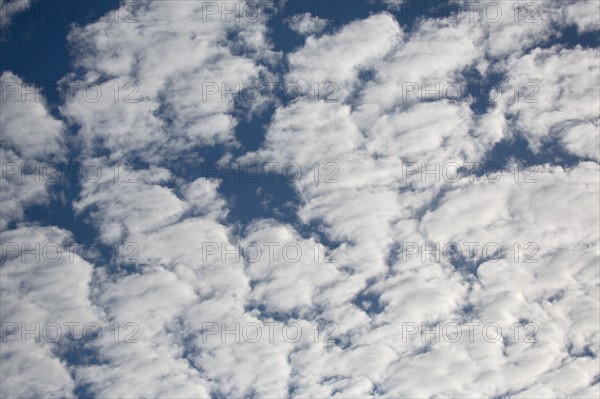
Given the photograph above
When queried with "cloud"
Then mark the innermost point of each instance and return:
(393, 4)
(556, 98)
(583, 15)
(307, 24)
(152, 365)
(158, 101)
(373, 209)
(356, 46)
(27, 126)
(45, 282)
(32, 142)
(8, 9)
(193, 285)
(121, 206)
(513, 28)
(526, 288)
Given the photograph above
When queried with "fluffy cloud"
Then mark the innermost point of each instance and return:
(159, 91)
(307, 24)
(556, 98)
(27, 126)
(356, 46)
(373, 210)
(32, 141)
(45, 283)
(583, 15)
(367, 308)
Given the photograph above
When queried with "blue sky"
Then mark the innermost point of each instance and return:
(384, 173)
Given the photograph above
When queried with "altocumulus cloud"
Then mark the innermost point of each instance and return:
(436, 232)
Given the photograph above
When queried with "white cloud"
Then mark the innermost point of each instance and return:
(307, 24)
(32, 141)
(154, 365)
(18, 191)
(122, 207)
(557, 98)
(165, 65)
(583, 14)
(371, 210)
(9, 8)
(27, 126)
(44, 281)
(338, 57)
(513, 28)
(353, 194)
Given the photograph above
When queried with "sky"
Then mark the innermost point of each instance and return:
(303, 199)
